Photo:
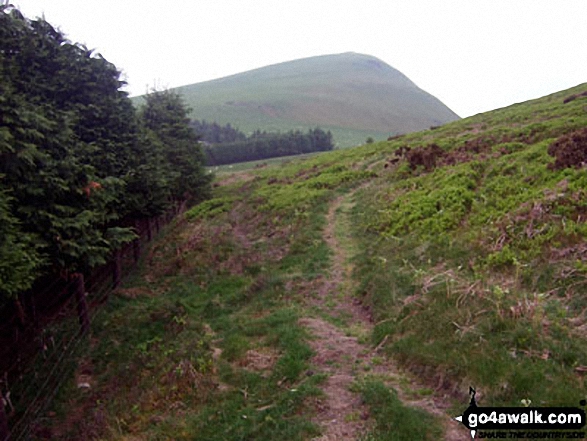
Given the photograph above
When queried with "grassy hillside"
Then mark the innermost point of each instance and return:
(353, 95)
(462, 264)
(475, 267)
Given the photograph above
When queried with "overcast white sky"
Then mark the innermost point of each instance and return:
(474, 55)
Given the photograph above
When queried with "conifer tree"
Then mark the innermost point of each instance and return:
(165, 115)
(78, 165)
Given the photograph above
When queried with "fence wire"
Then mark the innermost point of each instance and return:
(36, 358)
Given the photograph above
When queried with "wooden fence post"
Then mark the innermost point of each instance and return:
(4, 431)
(20, 312)
(116, 269)
(136, 244)
(136, 249)
(82, 304)
(149, 232)
(34, 314)
(182, 207)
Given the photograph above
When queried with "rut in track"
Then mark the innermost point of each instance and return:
(342, 415)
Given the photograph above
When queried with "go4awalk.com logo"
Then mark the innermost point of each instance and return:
(523, 422)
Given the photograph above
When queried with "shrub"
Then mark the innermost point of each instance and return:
(425, 156)
(569, 150)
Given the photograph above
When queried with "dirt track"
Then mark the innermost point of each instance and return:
(343, 357)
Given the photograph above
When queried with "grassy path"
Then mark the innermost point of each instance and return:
(341, 414)
(340, 327)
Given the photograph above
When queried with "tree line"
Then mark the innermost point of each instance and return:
(78, 163)
(214, 133)
(263, 145)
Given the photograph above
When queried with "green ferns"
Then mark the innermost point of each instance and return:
(430, 204)
(210, 208)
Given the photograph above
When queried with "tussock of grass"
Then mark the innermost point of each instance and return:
(395, 421)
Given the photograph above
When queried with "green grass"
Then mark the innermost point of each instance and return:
(355, 96)
(395, 421)
(153, 361)
(210, 208)
(224, 170)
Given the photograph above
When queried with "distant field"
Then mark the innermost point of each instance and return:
(241, 166)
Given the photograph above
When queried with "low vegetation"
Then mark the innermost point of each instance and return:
(395, 421)
(473, 253)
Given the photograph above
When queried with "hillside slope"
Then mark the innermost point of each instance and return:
(456, 254)
(353, 95)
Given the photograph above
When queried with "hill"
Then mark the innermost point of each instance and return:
(358, 294)
(352, 95)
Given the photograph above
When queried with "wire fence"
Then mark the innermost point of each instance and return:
(44, 330)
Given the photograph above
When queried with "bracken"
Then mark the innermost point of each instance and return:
(569, 150)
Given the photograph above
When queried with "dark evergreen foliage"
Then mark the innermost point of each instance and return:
(77, 164)
(263, 145)
(165, 115)
(214, 133)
